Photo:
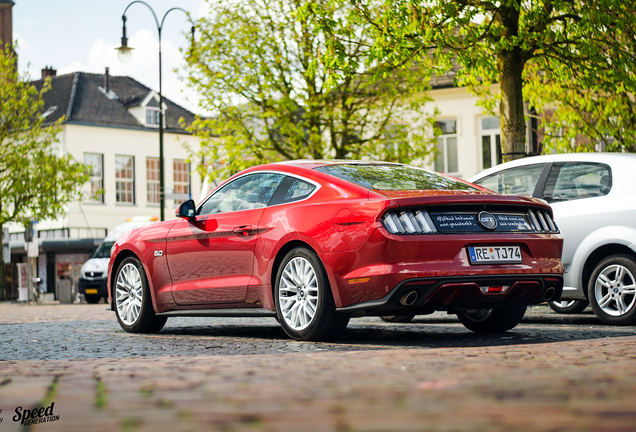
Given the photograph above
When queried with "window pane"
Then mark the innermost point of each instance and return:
(447, 126)
(514, 181)
(181, 178)
(245, 193)
(577, 180)
(451, 150)
(124, 173)
(152, 180)
(96, 182)
(486, 153)
(393, 177)
(490, 123)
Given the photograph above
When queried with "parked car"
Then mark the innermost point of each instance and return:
(314, 243)
(93, 274)
(593, 196)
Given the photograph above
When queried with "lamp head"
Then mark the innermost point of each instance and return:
(124, 52)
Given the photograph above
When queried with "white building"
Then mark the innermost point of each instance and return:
(110, 123)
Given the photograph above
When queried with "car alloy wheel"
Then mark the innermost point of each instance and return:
(298, 293)
(129, 294)
(612, 290)
(568, 306)
(304, 303)
(133, 304)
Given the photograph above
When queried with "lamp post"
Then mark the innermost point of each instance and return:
(125, 54)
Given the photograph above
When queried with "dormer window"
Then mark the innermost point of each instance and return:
(152, 116)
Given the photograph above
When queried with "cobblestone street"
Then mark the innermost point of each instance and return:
(552, 372)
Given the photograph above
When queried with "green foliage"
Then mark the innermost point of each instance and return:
(565, 45)
(36, 182)
(259, 65)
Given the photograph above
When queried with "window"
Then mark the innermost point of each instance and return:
(292, 189)
(95, 163)
(571, 181)
(152, 180)
(125, 179)
(181, 178)
(393, 177)
(514, 181)
(251, 191)
(152, 116)
(490, 142)
(446, 160)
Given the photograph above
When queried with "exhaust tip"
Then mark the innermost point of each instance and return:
(549, 293)
(409, 298)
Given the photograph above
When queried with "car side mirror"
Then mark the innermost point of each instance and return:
(186, 210)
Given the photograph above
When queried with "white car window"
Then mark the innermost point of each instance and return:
(576, 180)
(245, 193)
(514, 181)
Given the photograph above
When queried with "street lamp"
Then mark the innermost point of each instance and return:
(125, 54)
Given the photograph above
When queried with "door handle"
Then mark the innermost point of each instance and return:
(243, 231)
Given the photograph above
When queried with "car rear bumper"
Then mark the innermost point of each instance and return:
(426, 295)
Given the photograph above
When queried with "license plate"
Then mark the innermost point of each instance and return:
(91, 291)
(494, 254)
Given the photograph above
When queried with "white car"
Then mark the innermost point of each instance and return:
(593, 197)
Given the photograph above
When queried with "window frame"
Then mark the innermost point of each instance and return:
(155, 112)
(100, 199)
(284, 174)
(175, 183)
(444, 144)
(125, 180)
(496, 156)
(150, 182)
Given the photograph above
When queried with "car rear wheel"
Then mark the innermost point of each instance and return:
(92, 298)
(304, 303)
(133, 304)
(397, 318)
(492, 320)
(568, 306)
(612, 290)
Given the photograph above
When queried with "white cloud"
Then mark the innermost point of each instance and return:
(144, 66)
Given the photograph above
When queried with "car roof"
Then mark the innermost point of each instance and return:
(614, 160)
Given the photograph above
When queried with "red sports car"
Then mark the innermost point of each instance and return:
(314, 243)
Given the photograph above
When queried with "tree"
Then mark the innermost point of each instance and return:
(36, 182)
(503, 41)
(257, 65)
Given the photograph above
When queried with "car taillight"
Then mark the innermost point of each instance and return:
(408, 222)
(541, 221)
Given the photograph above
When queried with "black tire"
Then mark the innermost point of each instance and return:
(609, 301)
(568, 306)
(326, 323)
(92, 298)
(492, 320)
(397, 318)
(144, 320)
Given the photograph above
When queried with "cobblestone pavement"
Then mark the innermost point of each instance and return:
(551, 373)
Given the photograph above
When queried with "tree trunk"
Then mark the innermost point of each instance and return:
(510, 64)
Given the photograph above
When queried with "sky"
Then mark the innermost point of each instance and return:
(81, 35)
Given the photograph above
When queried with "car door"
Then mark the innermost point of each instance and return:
(577, 193)
(211, 257)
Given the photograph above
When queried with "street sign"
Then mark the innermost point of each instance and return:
(6, 246)
(177, 196)
(32, 249)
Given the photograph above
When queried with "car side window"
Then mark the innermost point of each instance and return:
(514, 181)
(576, 180)
(292, 189)
(245, 193)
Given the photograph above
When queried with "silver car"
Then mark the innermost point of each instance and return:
(593, 197)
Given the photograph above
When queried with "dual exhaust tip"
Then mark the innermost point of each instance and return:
(549, 293)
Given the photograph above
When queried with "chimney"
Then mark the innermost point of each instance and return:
(106, 81)
(48, 71)
(6, 22)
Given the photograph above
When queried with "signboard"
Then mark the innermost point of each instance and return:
(32, 249)
(6, 246)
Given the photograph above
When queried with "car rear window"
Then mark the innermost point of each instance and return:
(394, 177)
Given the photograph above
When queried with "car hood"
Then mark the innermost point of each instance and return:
(96, 265)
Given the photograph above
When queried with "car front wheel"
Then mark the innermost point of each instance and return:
(133, 304)
(304, 303)
(492, 320)
(612, 290)
(568, 306)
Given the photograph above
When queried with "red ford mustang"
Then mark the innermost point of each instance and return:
(314, 243)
